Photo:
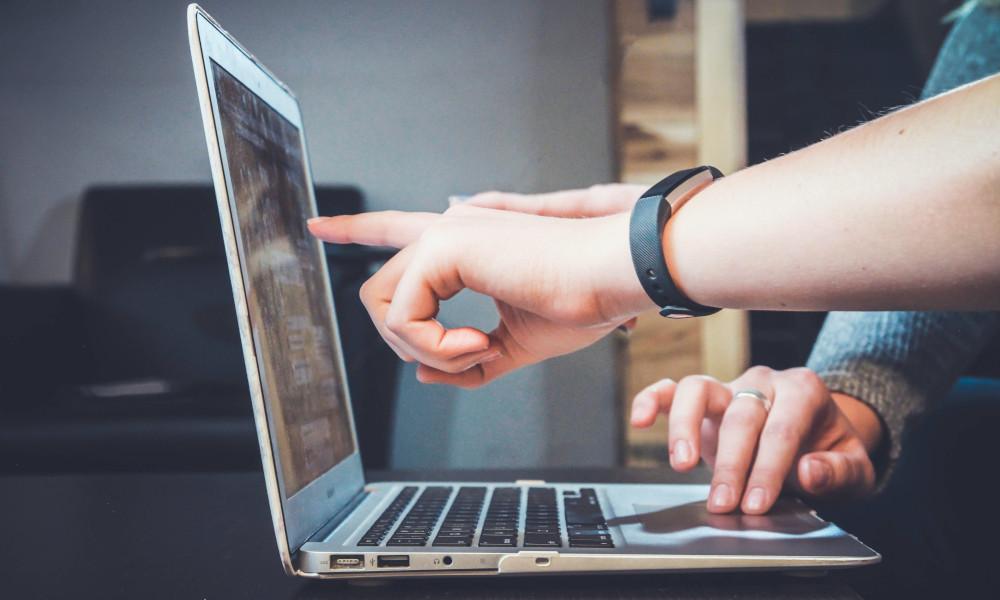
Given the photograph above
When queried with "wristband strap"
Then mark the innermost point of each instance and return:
(645, 240)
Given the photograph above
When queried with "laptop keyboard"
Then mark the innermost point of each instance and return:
(462, 520)
(416, 528)
(383, 525)
(541, 520)
(585, 523)
(581, 519)
(502, 518)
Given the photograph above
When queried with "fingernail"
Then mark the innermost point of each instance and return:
(722, 496)
(819, 473)
(755, 499)
(682, 452)
(316, 220)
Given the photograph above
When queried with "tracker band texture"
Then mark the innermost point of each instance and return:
(649, 216)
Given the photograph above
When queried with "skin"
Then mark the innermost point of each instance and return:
(816, 443)
(900, 213)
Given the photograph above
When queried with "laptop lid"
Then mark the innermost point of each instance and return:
(281, 287)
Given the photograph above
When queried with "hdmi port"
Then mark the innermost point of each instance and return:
(394, 561)
(347, 561)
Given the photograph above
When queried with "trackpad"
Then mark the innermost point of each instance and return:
(676, 515)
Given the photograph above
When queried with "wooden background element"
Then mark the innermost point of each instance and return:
(663, 108)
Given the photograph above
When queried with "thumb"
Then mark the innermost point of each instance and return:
(845, 472)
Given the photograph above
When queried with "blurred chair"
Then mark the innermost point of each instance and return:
(137, 365)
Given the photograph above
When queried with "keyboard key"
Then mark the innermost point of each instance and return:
(388, 518)
(590, 538)
(459, 525)
(497, 540)
(574, 544)
(500, 526)
(405, 541)
(453, 541)
(586, 526)
(547, 540)
(416, 527)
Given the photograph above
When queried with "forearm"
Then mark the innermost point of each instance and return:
(902, 212)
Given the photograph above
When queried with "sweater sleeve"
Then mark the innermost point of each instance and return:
(899, 362)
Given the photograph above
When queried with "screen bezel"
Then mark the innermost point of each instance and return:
(298, 516)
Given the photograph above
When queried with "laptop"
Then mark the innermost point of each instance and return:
(328, 521)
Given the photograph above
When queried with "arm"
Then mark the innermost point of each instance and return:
(862, 220)
(900, 213)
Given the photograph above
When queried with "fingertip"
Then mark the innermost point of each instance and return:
(757, 501)
(643, 411)
(464, 340)
(682, 456)
(324, 228)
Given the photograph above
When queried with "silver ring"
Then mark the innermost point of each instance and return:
(759, 395)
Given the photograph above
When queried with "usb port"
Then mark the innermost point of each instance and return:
(394, 561)
(347, 561)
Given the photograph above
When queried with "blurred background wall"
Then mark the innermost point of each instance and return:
(409, 100)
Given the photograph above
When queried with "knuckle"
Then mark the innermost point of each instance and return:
(759, 371)
(783, 432)
(805, 378)
(395, 324)
(739, 419)
(696, 384)
(457, 210)
(365, 291)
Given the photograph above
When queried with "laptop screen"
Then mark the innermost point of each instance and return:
(298, 355)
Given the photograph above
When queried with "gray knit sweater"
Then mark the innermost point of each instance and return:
(900, 362)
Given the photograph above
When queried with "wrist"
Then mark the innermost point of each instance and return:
(681, 241)
(614, 281)
(863, 418)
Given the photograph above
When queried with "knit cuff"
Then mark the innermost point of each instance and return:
(888, 394)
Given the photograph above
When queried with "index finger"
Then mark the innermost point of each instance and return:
(566, 203)
(394, 228)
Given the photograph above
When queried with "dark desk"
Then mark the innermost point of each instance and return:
(209, 536)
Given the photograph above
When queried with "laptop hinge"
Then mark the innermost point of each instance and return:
(339, 517)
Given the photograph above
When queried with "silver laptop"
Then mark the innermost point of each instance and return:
(328, 521)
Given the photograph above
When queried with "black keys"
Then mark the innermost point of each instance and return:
(541, 521)
(388, 518)
(585, 523)
(502, 518)
(459, 526)
(423, 517)
(490, 540)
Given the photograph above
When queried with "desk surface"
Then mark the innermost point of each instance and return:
(209, 536)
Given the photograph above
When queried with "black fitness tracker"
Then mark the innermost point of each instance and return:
(645, 240)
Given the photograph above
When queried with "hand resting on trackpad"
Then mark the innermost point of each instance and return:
(785, 518)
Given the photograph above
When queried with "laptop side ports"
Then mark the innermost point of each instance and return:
(394, 561)
(347, 561)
